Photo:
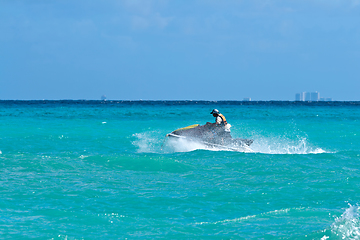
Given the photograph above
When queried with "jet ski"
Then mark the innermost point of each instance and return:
(212, 136)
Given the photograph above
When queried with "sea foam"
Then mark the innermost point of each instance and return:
(278, 145)
(347, 226)
(150, 142)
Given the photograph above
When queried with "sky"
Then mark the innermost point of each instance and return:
(179, 49)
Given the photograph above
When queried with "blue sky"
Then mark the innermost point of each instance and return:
(179, 50)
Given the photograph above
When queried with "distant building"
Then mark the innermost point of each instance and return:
(326, 99)
(300, 96)
(314, 96)
(307, 96)
(247, 99)
(103, 98)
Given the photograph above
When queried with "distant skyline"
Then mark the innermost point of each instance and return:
(311, 96)
(176, 50)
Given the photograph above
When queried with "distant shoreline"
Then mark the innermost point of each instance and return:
(183, 102)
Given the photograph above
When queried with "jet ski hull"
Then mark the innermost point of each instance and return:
(214, 137)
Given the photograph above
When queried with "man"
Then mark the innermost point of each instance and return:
(220, 120)
(221, 124)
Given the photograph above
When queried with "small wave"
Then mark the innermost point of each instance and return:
(149, 142)
(266, 214)
(347, 226)
(228, 220)
(146, 142)
(182, 145)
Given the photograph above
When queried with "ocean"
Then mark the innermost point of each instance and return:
(105, 170)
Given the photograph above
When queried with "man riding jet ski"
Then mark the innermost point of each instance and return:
(220, 122)
(212, 134)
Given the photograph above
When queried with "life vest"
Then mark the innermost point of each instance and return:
(223, 119)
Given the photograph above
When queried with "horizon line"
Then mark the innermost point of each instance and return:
(157, 100)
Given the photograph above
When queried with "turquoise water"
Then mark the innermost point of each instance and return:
(104, 170)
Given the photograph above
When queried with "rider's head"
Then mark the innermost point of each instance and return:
(215, 112)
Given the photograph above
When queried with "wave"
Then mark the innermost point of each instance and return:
(347, 226)
(261, 215)
(151, 143)
(277, 145)
(146, 142)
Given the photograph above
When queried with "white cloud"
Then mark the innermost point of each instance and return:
(355, 3)
(139, 22)
(153, 20)
(85, 26)
(147, 14)
(138, 6)
(121, 41)
(160, 21)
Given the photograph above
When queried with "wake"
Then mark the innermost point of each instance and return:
(284, 146)
(151, 142)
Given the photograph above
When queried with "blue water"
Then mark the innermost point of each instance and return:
(104, 170)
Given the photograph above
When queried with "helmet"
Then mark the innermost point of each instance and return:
(215, 111)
